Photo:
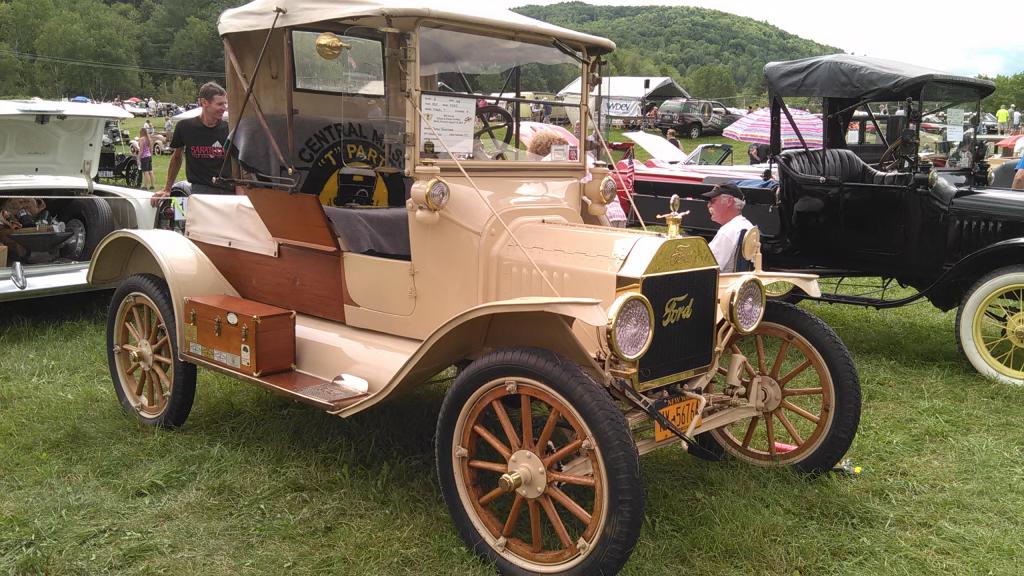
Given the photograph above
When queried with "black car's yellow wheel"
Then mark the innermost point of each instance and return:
(142, 351)
(990, 325)
(809, 389)
(537, 466)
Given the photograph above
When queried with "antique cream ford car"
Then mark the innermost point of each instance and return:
(398, 219)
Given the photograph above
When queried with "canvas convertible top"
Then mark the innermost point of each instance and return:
(860, 77)
(259, 15)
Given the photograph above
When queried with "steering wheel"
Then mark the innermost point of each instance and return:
(494, 119)
(895, 158)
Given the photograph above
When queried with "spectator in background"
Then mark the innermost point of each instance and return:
(757, 153)
(145, 159)
(651, 118)
(200, 141)
(547, 112)
(671, 137)
(168, 127)
(541, 143)
(1014, 118)
(725, 204)
(147, 126)
(1002, 116)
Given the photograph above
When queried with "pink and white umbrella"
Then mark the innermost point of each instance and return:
(757, 127)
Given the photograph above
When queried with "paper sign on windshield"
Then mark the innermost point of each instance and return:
(954, 124)
(452, 120)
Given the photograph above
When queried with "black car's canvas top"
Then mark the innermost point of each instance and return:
(862, 78)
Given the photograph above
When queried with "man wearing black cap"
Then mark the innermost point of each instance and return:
(725, 203)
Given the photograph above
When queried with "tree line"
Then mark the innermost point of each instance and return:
(165, 48)
(101, 49)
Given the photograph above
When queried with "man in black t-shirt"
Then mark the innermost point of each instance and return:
(201, 141)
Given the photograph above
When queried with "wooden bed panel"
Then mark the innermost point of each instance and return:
(296, 219)
(307, 281)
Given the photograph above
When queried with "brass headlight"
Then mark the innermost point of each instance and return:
(933, 176)
(630, 326)
(609, 191)
(432, 194)
(990, 176)
(746, 310)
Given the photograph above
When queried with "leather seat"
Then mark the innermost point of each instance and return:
(841, 164)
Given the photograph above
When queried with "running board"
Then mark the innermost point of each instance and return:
(305, 388)
(865, 301)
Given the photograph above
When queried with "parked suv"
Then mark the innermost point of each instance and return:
(691, 118)
(411, 234)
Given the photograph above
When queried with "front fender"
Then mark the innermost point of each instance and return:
(169, 255)
(946, 291)
(549, 323)
(806, 282)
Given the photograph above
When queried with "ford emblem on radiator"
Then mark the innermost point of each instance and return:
(677, 309)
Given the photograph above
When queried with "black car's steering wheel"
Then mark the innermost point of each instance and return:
(890, 158)
(494, 119)
(895, 157)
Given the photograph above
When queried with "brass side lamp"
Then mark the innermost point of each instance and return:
(329, 46)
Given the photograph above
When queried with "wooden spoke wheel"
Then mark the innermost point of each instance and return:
(809, 391)
(148, 378)
(990, 325)
(535, 466)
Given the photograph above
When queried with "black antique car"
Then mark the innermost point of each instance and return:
(886, 226)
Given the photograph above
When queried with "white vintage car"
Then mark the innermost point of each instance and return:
(52, 214)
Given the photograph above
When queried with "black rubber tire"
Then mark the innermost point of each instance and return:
(183, 389)
(694, 131)
(846, 389)
(89, 215)
(625, 493)
(984, 362)
(132, 174)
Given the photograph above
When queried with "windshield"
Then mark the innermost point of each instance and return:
(487, 98)
(945, 122)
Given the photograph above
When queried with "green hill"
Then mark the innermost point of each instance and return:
(705, 50)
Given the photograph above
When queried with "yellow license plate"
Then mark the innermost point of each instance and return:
(680, 412)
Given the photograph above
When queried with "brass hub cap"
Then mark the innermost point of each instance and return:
(525, 475)
(1015, 330)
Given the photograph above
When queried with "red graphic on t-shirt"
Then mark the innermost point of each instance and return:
(210, 152)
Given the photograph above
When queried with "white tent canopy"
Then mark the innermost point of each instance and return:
(623, 96)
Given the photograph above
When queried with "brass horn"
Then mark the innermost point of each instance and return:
(329, 46)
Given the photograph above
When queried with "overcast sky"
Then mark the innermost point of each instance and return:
(963, 37)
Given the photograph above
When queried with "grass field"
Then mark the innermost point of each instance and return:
(256, 484)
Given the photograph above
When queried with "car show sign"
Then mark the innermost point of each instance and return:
(449, 119)
(954, 124)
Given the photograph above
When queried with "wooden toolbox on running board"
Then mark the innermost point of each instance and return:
(245, 336)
